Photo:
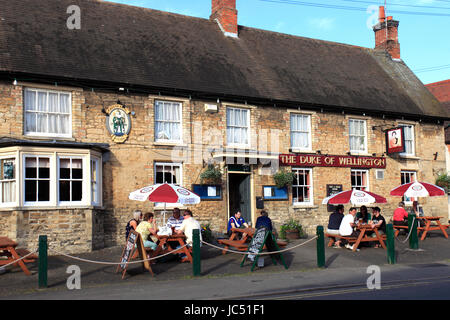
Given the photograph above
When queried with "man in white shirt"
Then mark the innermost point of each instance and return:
(189, 224)
(347, 225)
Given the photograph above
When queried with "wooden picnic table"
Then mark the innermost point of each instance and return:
(365, 238)
(8, 250)
(240, 244)
(430, 227)
(164, 245)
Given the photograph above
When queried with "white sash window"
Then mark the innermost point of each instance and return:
(168, 121)
(358, 136)
(300, 131)
(47, 113)
(238, 126)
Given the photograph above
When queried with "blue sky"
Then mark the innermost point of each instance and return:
(424, 39)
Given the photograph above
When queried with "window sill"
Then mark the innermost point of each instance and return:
(363, 154)
(304, 206)
(170, 144)
(50, 208)
(294, 150)
(408, 157)
(42, 137)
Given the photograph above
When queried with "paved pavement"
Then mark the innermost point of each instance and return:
(302, 263)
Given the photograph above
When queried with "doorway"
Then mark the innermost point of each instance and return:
(239, 195)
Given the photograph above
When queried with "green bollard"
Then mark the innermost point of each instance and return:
(390, 243)
(196, 266)
(320, 247)
(413, 238)
(43, 262)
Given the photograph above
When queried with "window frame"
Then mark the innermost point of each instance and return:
(83, 183)
(295, 148)
(413, 140)
(16, 180)
(353, 135)
(171, 164)
(413, 175)
(180, 122)
(366, 172)
(233, 144)
(47, 134)
(311, 188)
(51, 178)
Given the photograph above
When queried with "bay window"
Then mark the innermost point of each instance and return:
(45, 177)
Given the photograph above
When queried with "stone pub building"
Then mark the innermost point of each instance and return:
(99, 99)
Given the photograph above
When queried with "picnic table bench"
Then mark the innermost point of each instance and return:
(240, 244)
(8, 250)
(431, 227)
(361, 238)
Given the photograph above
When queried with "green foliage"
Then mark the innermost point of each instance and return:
(207, 233)
(283, 178)
(291, 225)
(211, 174)
(443, 181)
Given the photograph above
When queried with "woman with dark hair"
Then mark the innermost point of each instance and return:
(364, 215)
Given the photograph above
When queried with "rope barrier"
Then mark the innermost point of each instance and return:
(262, 253)
(113, 263)
(149, 259)
(409, 234)
(16, 261)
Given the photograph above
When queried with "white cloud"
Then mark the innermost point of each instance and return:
(322, 23)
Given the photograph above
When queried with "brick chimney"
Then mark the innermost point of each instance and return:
(387, 41)
(225, 14)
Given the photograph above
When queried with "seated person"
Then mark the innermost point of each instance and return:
(334, 223)
(133, 223)
(363, 214)
(175, 220)
(146, 228)
(189, 224)
(379, 222)
(400, 215)
(417, 211)
(264, 221)
(347, 225)
(236, 221)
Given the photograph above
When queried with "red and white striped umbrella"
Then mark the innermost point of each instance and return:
(417, 189)
(167, 193)
(356, 197)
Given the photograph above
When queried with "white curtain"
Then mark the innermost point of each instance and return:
(167, 121)
(357, 135)
(237, 126)
(408, 139)
(300, 131)
(47, 112)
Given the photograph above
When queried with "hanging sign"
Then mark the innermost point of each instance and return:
(118, 122)
(395, 140)
(317, 160)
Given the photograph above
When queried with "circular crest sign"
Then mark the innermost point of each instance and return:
(118, 122)
(359, 194)
(417, 188)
